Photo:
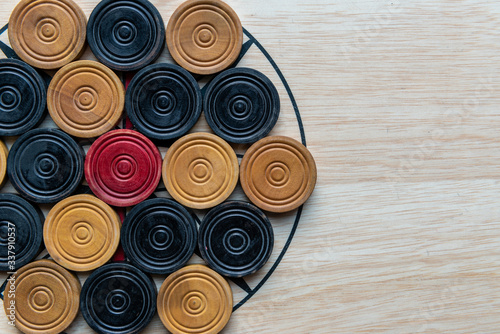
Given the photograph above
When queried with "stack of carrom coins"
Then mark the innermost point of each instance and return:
(123, 167)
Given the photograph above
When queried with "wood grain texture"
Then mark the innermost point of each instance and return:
(200, 170)
(47, 34)
(85, 99)
(81, 232)
(46, 298)
(195, 299)
(3, 162)
(204, 36)
(278, 174)
(399, 102)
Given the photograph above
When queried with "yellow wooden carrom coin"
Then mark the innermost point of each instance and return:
(44, 299)
(85, 99)
(48, 34)
(195, 299)
(278, 174)
(200, 170)
(204, 36)
(81, 232)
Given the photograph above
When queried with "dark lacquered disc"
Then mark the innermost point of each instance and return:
(159, 235)
(236, 239)
(118, 298)
(126, 35)
(20, 232)
(23, 97)
(45, 165)
(241, 105)
(163, 101)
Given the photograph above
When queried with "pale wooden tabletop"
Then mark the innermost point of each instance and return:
(400, 106)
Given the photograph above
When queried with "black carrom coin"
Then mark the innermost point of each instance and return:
(20, 232)
(241, 105)
(23, 97)
(159, 235)
(45, 165)
(163, 101)
(118, 298)
(126, 35)
(236, 239)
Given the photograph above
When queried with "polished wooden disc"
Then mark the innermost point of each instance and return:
(200, 170)
(195, 299)
(47, 34)
(3, 162)
(22, 221)
(126, 35)
(45, 165)
(86, 99)
(82, 232)
(241, 105)
(278, 174)
(204, 36)
(118, 298)
(46, 298)
(159, 235)
(123, 167)
(236, 239)
(23, 97)
(163, 101)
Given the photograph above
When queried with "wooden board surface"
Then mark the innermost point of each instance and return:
(400, 103)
